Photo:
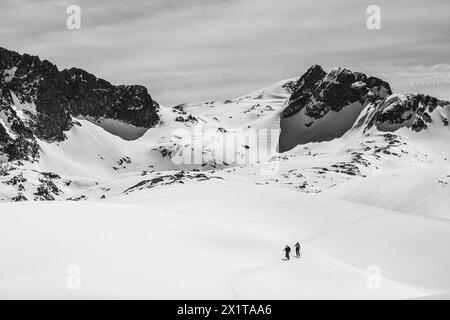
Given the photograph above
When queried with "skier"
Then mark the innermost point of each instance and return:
(297, 250)
(287, 250)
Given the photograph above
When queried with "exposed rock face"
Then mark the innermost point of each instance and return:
(324, 105)
(40, 83)
(319, 92)
(415, 111)
(356, 101)
(48, 98)
(131, 104)
(304, 90)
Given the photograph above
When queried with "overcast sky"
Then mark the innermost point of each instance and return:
(198, 50)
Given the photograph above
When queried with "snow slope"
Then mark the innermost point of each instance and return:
(215, 229)
(162, 244)
(301, 129)
(420, 190)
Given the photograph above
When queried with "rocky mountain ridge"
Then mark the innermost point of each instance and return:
(325, 106)
(37, 101)
(320, 92)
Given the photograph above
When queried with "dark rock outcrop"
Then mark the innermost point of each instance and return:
(130, 104)
(319, 92)
(304, 90)
(358, 101)
(410, 110)
(51, 97)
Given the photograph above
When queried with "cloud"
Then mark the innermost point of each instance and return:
(194, 50)
(433, 80)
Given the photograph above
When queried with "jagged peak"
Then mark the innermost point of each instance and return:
(334, 90)
(313, 111)
(57, 96)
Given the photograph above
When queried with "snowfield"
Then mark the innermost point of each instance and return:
(209, 242)
(371, 210)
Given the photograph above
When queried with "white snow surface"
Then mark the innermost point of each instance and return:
(361, 202)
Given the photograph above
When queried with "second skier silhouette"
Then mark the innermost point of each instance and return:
(287, 251)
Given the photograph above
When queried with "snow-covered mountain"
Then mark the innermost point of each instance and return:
(37, 101)
(325, 106)
(358, 174)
